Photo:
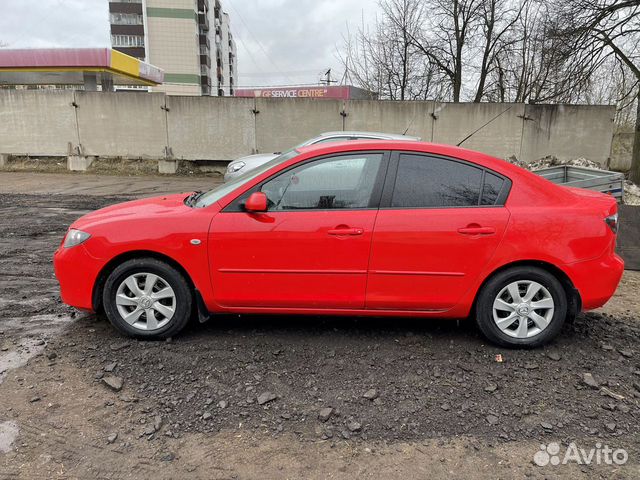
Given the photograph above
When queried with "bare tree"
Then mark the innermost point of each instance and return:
(600, 28)
(445, 37)
(532, 51)
(534, 63)
(497, 18)
(384, 58)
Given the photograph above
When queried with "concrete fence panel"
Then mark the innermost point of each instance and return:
(568, 131)
(37, 123)
(622, 151)
(122, 124)
(142, 125)
(284, 123)
(498, 126)
(211, 128)
(412, 118)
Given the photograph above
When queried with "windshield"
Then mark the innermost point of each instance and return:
(220, 191)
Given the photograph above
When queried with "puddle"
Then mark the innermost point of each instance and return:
(49, 323)
(8, 434)
(18, 355)
(30, 331)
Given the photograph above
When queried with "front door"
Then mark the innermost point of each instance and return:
(442, 222)
(311, 248)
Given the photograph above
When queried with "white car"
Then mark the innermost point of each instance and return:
(242, 165)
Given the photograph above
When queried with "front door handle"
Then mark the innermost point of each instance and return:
(477, 230)
(346, 231)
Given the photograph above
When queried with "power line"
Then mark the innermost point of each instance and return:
(255, 39)
(291, 85)
(287, 72)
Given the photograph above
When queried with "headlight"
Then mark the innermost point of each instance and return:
(75, 237)
(234, 167)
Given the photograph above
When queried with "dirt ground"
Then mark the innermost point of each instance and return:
(354, 398)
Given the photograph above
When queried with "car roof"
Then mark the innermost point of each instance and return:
(479, 158)
(356, 133)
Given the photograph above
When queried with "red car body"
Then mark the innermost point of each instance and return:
(412, 262)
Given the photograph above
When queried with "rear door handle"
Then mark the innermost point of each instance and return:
(346, 231)
(477, 231)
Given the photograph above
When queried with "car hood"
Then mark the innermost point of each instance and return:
(143, 208)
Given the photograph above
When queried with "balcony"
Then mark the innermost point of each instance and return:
(205, 60)
(204, 40)
(116, 7)
(127, 29)
(203, 5)
(203, 21)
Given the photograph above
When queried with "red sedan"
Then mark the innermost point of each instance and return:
(385, 228)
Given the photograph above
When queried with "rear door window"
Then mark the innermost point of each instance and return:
(424, 181)
(432, 182)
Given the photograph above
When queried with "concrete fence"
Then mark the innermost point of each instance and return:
(154, 126)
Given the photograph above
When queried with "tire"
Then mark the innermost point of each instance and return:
(501, 309)
(137, 309)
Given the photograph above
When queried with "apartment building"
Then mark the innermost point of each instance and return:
(190, 40)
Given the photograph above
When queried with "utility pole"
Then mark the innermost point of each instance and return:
(327, 81)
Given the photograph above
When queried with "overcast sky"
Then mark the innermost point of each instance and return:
(279, 41)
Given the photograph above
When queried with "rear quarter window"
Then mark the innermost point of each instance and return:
(493, 185)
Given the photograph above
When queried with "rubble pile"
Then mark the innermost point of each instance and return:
(552, 161)
(631, 193)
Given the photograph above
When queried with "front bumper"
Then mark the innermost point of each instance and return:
(77, 272)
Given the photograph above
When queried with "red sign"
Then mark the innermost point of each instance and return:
(296, 92)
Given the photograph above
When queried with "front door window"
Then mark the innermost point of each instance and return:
(343, 182)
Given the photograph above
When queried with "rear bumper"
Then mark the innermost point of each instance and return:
(596, 280)
(76, 272)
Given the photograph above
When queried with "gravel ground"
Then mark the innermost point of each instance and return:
(278, 397)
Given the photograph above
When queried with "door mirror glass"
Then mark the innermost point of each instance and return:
(257, 202)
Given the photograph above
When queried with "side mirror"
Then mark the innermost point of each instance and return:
(257, 202)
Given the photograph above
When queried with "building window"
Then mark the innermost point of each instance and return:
(204, 50)
(127, 40)
(128, 1)
(204, 70)
(126, 19)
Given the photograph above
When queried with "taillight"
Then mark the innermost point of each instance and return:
(612, 221)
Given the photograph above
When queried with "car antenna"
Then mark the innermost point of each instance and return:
(410, 123)
(480, 128)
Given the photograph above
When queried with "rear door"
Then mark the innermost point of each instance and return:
(439, 224)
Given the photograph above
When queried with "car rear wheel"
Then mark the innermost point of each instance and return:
(147, 298)
(521, 307)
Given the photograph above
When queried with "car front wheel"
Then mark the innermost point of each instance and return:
(147, 298)
(521, 307)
